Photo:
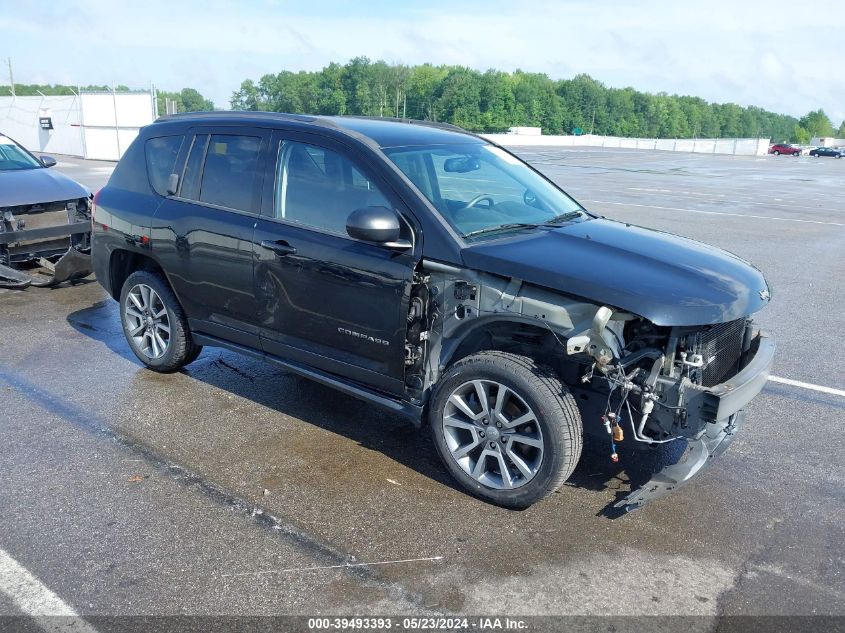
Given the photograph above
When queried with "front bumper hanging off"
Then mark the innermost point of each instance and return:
(725, 402)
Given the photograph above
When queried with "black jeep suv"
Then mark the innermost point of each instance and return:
(424, 269)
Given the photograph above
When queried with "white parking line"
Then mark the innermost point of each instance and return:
(736, 215)
(807, 385)
(35, 600)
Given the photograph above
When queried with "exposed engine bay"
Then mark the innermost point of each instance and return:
(45, 244)
(660, 384)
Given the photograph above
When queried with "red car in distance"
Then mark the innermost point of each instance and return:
(783, 148)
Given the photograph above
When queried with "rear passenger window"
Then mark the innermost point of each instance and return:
(230, 171)
(161, 155)
(320, 188)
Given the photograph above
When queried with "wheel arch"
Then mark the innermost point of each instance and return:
(123, 262)
(504, 332)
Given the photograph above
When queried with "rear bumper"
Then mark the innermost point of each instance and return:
(721, 408)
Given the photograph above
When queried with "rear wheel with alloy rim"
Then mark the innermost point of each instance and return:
(147, 321)
(154, 324)
(506, 428)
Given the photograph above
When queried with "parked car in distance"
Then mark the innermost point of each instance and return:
(44, 220)
(429, 271)
(784, 148)
(827, 151)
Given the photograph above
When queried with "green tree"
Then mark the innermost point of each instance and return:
(494, 100)
(54, 90)
(246, 97)
(800, 135)
(423, 88)
(187, 100)
(193, 101)
(460, 98)
(816, 123)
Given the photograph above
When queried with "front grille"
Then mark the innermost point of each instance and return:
(723, 344)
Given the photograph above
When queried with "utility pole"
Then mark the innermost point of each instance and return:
(11, 76)
(405, 105)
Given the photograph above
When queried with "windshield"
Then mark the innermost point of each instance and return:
(13, 157)
(481, 189)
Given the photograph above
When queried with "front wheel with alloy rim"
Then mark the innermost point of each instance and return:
(154, 324)
(506, 428)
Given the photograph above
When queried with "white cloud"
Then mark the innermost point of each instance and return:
(762, 53)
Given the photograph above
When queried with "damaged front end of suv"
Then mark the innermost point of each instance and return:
(653, 364)
(666, 384)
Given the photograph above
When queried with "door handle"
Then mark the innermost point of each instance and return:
(281, 248)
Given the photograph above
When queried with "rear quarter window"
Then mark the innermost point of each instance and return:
(161, 153)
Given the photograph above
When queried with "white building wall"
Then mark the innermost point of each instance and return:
(827, 141)
(736, 146)
(111, 122)
(92, 125)
(19, 120)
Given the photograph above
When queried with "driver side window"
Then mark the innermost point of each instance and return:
(319, 188)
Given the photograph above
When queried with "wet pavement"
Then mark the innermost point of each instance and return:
(218, 489)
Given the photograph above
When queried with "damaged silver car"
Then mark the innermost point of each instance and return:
(45, 221)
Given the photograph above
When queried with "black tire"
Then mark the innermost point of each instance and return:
(796, 153)
(196, 350)
(180, 349)
(776, 153)
(553, 406)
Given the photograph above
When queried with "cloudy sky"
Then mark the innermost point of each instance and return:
(783, 55)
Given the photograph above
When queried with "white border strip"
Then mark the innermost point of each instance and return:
(807, 385)
(34, 599)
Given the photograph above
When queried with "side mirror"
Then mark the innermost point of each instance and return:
(48, 161)
(374, 224)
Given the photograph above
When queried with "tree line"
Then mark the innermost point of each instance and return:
(493, 101)
(187, 99)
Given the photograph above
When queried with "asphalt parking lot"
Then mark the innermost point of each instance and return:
(234, 488)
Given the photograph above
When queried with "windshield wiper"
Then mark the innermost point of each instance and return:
(503, 227)
(563, 217)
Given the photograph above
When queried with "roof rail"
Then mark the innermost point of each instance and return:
(435, 124)
(330, 121)
(283, 116)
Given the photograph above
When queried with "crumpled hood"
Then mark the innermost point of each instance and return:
(667, 279)
(33, 186)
